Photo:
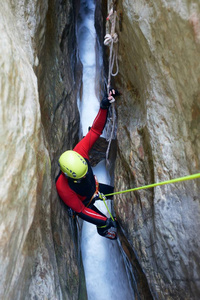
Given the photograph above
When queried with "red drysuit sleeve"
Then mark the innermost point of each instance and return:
(84, 146)
(71, 199)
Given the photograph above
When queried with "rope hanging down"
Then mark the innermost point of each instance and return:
(111, 40)
(185, 178)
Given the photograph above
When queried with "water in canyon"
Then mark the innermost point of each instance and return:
(105, 271)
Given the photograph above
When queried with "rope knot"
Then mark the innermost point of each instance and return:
(108, 39)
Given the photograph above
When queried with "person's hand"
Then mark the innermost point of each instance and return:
(111, 223)
(111, 95)
(113, 92)
(108, 99)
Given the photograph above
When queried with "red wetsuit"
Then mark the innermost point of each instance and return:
(77, 195)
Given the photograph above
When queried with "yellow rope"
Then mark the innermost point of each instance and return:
(189, 177)
(104, 200)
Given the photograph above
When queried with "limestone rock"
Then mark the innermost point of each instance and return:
(158, 139)
(39, 255)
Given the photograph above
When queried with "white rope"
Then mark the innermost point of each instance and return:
(111, 40)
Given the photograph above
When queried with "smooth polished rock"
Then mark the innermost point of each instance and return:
(39, 256)
(159, 139)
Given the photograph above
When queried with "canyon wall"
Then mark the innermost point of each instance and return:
(158, 135)
(158, 139)
(39, 254)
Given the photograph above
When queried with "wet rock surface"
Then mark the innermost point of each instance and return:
(158, 139)
(39, 253)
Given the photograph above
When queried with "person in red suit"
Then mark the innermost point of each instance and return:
(76, 184)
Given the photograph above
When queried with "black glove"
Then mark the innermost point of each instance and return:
(111, 223)
(115, 94)
(105, 103)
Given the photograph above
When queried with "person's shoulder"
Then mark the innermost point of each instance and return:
(61, 180)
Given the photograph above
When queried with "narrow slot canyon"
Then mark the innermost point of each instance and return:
(54, 71)
(104, 267)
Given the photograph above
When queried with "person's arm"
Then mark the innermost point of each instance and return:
(84, 146)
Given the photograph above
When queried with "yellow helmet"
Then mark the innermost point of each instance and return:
(73, 164)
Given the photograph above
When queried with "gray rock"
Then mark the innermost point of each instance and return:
(39, 253)
(158, 139)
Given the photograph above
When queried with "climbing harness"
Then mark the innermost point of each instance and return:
(100, 196)
(111, 40)
(185, 178)
(96, 191)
